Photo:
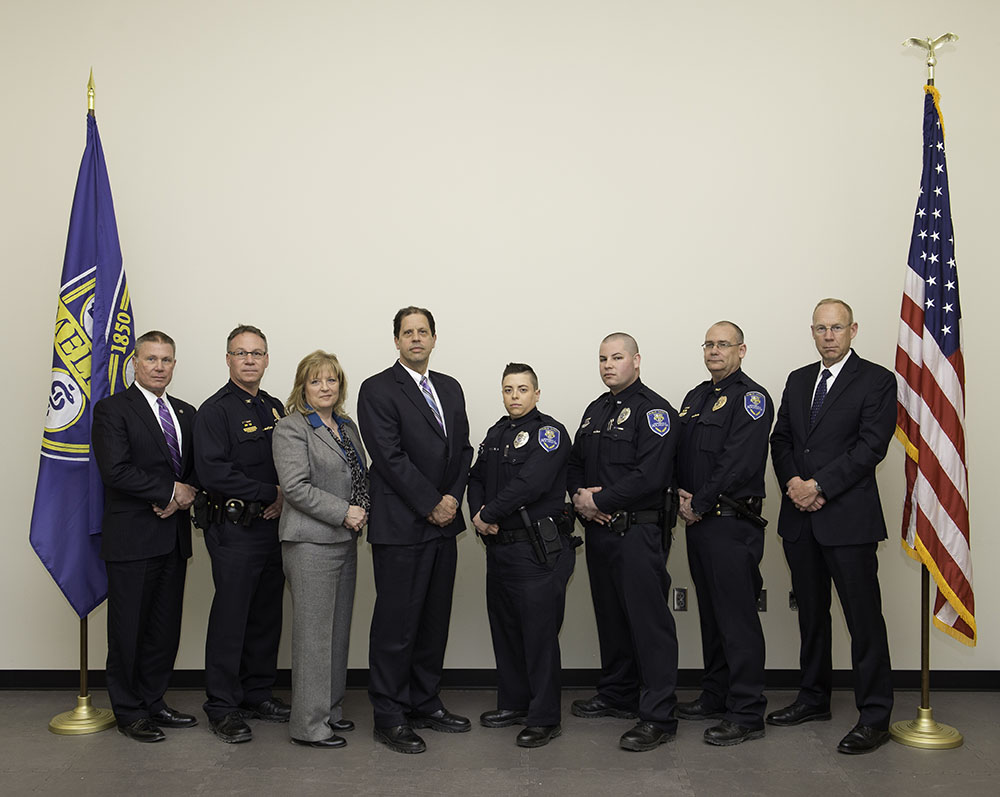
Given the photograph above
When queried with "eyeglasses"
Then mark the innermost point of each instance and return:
(821, 329)
(721, 345)
(240, 354)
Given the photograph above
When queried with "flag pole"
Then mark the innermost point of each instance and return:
(924, 731)
(84, 718)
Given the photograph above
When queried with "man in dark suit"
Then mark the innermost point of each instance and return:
(142, 444)
(416, 431)
(833, 428)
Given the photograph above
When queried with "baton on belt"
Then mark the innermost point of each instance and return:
(743, 511)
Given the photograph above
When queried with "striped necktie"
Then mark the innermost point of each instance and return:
(170, 432)
(429, 398)
(819, 397)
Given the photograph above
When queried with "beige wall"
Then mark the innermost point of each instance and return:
(538, 173)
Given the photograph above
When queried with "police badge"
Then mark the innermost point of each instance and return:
(623, 416)
(754, 403)
(659, 422)
(548, 438)
(719, 404)
(520, 439)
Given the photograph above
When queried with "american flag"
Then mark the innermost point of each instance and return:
(930, 377)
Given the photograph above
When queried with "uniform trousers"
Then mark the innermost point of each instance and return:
(630, 586)
(409, 630)
(724, 555)
(321, 579)
(525, 602)
(145, 598)
(854, 571)
(244, 626)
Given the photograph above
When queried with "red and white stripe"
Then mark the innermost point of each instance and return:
(931, 425)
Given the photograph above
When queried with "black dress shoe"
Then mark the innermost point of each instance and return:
(502, 718)
(232, 728)
(597, 706)
(142, 730)
(323, 744)
(441, 720)
(400, 738)
(537, 735)
(644, 736)
(862, 739)
(168, 717)
(341, 725)
(797, 713)
(273, 709)
(698, 710)
(727, 733)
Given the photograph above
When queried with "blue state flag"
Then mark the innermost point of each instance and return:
(92, 358)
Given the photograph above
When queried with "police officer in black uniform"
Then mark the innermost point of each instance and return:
(232, 448)
(517, 495)
(620, 469)
(725, 423)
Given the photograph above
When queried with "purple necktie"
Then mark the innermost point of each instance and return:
(819, 397)
(170, 432)
(426, 388)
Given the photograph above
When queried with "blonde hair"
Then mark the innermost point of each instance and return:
(309, 367)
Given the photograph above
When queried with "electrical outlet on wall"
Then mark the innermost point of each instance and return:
(792, 603)
(680, 599)
(762, 601)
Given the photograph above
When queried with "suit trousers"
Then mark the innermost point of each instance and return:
(145, 597)
(409, 631)
(321, 578)
(630, 586)
(854, 571)
(525, 602)
(724, 555)
(244, 625)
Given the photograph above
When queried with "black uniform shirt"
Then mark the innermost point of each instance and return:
(723, 446)
(625, 445)
(521, 462)
(232, 444)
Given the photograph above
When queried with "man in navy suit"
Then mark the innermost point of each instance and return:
(416, 431)
(142, 444)
(834, 425)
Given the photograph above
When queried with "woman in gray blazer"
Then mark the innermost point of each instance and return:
(324, 478)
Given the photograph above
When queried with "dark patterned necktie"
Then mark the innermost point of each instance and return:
(819, 397)
(429, 397)
(170, 432)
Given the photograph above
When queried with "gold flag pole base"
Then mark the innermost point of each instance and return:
(925, 733)
(83, 719)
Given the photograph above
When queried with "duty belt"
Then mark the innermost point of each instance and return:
(220, 509)
(622, 521)
(521, 534)
(728, 510)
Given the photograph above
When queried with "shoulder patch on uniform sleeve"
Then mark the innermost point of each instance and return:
(755, 403)
(548, 438)
(659, 422)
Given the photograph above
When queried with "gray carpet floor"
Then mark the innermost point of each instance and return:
(585, 760)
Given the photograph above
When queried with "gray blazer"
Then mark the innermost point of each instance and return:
(315, 478)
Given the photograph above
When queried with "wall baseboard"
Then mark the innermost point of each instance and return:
(962, 680)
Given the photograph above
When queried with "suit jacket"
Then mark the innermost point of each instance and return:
(850, 437)
(315, 479)
(137, 471)
(414, 465)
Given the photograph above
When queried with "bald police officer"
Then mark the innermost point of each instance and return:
(620, 469)
(725, 423)
(517, 494)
